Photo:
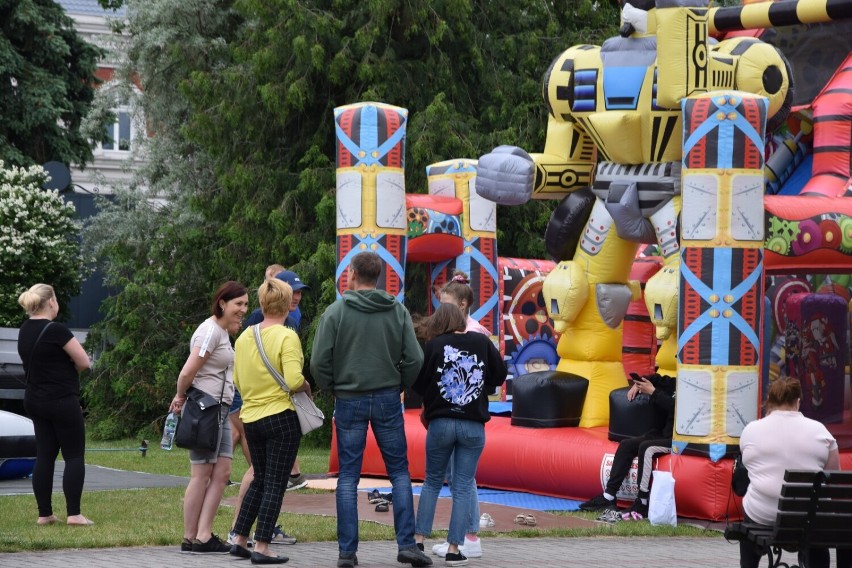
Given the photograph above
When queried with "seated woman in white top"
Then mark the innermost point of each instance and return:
(784, 439)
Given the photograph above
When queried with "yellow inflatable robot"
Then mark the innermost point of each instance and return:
(614, 147)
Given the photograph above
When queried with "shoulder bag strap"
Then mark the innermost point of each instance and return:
(32, 351)
(205, 343)
(279, 378)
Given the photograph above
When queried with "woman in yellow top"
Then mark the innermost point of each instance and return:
(272, 427)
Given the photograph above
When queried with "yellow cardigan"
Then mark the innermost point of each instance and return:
(262, 395)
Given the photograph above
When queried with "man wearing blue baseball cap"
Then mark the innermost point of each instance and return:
(294, 320)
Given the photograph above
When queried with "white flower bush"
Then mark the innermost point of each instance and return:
(39, 240)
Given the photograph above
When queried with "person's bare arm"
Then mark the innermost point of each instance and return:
(833, 461)
(186, 376)
(77, 354)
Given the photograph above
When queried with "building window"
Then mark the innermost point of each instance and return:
(118, 135)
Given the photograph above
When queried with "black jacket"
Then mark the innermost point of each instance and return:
(459, 370)
(663, 401)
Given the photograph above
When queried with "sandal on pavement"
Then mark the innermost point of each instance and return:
(486, 520)
(525, 519)
(382, 507)
(374, 496)
(610, 516)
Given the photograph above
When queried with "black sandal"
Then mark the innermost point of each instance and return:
(382, 507)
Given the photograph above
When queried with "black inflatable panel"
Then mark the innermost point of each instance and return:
(548, 399)
(629, 419)
(566, 223)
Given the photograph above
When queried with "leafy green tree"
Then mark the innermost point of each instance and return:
(47, 82)
(241, 97)
(39, 241)
(469, 74)
(155, 246)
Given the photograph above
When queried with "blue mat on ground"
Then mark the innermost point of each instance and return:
(500, 408)
(510, 499)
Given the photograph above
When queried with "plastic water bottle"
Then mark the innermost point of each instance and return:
(169, 431)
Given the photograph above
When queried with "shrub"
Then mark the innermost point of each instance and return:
(39, 241)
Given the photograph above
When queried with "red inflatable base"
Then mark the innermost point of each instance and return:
(566, 462)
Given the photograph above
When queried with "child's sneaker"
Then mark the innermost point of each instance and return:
(471, 548)
(297, 482)
(610, 516)
(455, 559)
(599, 503)
(280, 537)
(636, 512)
(232, 539)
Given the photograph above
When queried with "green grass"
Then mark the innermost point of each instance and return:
(176, 461)
(153, 517)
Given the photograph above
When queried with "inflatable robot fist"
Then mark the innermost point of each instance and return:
(506, 176)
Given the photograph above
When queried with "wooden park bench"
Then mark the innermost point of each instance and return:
(815, 510)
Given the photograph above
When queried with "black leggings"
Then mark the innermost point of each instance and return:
(644, 447)
(58, 426)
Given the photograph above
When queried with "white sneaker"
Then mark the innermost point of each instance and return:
(232, 539)
(297, 482)
(470, 548)
(440, 549)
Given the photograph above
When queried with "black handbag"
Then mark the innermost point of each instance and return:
(739, 477)
(200, 422)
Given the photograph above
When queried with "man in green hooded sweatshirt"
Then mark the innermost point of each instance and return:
(365, 352)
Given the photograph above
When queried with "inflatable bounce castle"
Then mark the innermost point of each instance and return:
(693, 174)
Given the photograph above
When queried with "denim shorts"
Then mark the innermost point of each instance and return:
(237, 404)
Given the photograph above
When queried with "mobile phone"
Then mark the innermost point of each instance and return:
(636, 377)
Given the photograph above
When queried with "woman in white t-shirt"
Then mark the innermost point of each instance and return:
(209, 368)
(784, 439)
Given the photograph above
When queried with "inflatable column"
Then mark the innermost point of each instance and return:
(455, 178)
(721, 273)
(371, 213)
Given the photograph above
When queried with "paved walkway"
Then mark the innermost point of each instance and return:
(599, 552)
(603, 552)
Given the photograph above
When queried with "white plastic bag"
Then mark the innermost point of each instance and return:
(661, 504)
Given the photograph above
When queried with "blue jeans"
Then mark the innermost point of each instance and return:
(463, 441)
(381, 409)
(473, 527)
